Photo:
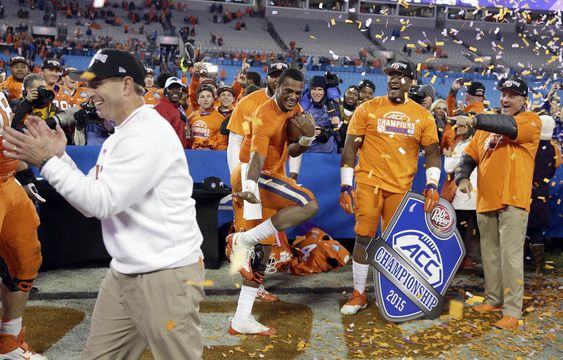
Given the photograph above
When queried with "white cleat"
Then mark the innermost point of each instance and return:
(19, 350)
(357, 302)
(251, 327)
(240, 256)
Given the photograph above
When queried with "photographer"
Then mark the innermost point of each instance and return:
(316, 103)
(37, 101)
(90, 128)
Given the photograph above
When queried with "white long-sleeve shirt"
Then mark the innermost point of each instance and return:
(141, 190)
(461, 201)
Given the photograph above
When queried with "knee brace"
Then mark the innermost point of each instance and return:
(259, 262)
(13, 284)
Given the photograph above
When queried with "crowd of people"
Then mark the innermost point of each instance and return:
(145, 199)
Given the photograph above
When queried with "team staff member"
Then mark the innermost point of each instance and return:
(153, 94)
(266, 150)
(72, 89)
(52, 71)
(503, 150)
(388, 132)
(143, 199)
(170, 109)
(13, 85)
(20, 251)
(474, 104)
(239, 127)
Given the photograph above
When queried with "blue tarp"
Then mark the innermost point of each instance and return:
(321, 174)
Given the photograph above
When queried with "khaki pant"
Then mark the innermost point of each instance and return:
(502, 251)
(158, 309)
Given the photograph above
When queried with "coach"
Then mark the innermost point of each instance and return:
(503, 150)
(141, 190)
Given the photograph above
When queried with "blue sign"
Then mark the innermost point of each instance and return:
(415, 260)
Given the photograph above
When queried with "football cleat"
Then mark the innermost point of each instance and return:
(241, 255)
(15, 348)
(251, 327)
(357, 302)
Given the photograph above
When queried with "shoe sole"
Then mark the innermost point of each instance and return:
(270, 332)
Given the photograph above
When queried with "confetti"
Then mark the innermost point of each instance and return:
(402, 151)
(456, 309)
(433, 80)
(170, 325)
(204, 283)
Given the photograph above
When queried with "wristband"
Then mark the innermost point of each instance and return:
(433, 175)
(250, 185)
(306, 140)
(346, 176)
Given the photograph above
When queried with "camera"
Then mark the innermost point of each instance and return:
(416, 94)
(332, 80)
(86, 114)
(44, 96)
(326, 133)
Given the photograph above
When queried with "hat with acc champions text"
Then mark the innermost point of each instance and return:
(108, 63)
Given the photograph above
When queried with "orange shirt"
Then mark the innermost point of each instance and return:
(505, 168)
(393, 134)
(244, 109)
(153, 96)
(62, 96)
(7, 165)
(79, 96)
(12, 88)
(476, 107)
(267, 135)
(204, 130)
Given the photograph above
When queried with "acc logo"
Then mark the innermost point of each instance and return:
(511, 83)
(397, 66)
(422, 253)
(396, 115)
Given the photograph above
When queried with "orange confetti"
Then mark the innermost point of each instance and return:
(170, 325)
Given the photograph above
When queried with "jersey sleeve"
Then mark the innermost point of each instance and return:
(529, 127)
(429, 131)
(357, 125)
(237, 119)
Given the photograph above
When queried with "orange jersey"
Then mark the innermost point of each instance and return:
(62, 96)
(393, 134)
(7, 165)
(153, 96)
(77, 97)
(204, 130)
(244, 109)
(12, 88)
(505, 168)
(268, 136)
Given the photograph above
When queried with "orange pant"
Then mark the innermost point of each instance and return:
(19, 245)
(276, 192)
(371, 204)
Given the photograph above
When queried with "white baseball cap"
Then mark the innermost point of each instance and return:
(173, 80)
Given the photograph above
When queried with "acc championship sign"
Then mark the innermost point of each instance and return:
(415, 259)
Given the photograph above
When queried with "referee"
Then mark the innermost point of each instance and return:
(141, 190)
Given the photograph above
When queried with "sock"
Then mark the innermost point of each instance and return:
(245, 303)
(12, 327)
(360, 274)
(259, 233)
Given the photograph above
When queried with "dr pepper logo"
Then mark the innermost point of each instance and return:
(441, 218)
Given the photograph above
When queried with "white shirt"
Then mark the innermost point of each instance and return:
(461, 201)
(141, 191)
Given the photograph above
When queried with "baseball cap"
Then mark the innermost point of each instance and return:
(173, 80)
(428, 90)
(114, 63)
(277, 66)
(516, 85)
(366, 83)
(476, 89)
(18, 59)
(149, 71)
(51, 63)
(401, 67)
(69, 70)
(225, 88)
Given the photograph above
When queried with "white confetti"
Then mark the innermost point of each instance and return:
(274, 12)
(402, 151)
(368, 22)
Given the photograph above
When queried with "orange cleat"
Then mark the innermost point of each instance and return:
(357, 302)
(507, 323)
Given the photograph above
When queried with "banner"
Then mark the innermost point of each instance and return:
(415, 260)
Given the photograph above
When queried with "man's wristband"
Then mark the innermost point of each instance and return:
(346, 175)
(250, 185)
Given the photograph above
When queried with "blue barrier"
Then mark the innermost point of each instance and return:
(321, 174)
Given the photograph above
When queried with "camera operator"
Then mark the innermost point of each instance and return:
(347, 107)
(326, 125)
(90, 129)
